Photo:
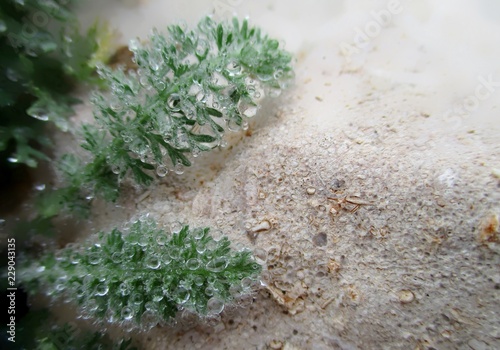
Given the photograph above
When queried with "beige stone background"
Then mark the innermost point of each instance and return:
(395, 113)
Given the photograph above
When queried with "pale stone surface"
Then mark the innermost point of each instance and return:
(405, 123)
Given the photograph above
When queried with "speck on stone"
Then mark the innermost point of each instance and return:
(320, 239)
(337, 184)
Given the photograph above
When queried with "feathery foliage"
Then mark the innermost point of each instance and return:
(68, 337)
(144, 275)
(189, 88)
(42, 55)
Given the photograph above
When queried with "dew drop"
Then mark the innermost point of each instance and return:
(181, 295)
(161, 170)
(232, 125)
(202, 47)
(176, 227)
(126, 136)
(217, 235)
(102, 289)
(124, 289)
(210, 291)
(198, 281)
(39, 113)
(136, 299)
(3, 26)
(249, 81)
(246, 283)
(92, 305)
(80, 292)
(217, 264)
(157, 294)
(198, 233)
(215, 306)
(127, 313)
(161, 239)
(201, 97)
(179, 169)
(117, 257)
(246, 109)
(278, 74)
(174, 253)
(153, 262)
(143, 241)
(40, 187)
(181, 140)
(264, 77)
(148, 320)
(201, 248)
(154, 64)
(160, 86)
(233, 68)
(260, 256)
(173, 102)
(145, 82)
(134, 45)
(193, 264)
(149, 306)
(94, 258)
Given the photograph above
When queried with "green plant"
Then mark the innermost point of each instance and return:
(42, 55)
(189, 88)
(143, 275)
(68, 337)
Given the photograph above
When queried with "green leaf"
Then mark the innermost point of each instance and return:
(244, 29)
(214, 112)
(202, 138)
(220, 36)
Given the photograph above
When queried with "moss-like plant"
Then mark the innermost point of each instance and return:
(42, 55)
(69, 337)
(189, 88)
(144, 275)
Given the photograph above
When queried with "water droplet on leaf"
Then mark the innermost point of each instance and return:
(127, 313)
(217, 264)
(193, 264)
(102, 289)
(173, 102)
(161, 170)
(215, 306)
(153, 262)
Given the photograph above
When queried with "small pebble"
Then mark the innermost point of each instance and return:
(406, 296)
(263, 226)
(496, 173)
(275, 344)
(311, 190)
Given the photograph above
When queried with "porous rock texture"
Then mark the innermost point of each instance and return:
(368, 194)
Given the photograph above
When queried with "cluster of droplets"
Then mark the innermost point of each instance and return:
(143, 276)
(186, 92)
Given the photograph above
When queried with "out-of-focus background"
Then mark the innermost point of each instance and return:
(447, 48)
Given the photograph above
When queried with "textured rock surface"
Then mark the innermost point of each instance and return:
(367, 193)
